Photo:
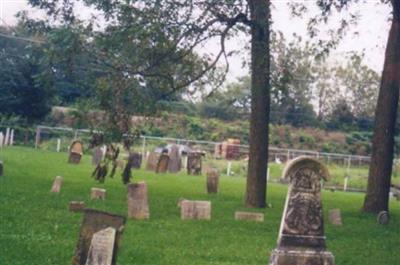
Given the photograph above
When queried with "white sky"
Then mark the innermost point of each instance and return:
(373, 30)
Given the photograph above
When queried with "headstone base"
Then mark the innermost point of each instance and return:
(298, 257)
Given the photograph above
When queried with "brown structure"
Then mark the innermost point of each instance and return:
(301, 237)
(93, 222)
(75, 152)
(152, 161)
(162, 164)
(138, 205)
(230, 149)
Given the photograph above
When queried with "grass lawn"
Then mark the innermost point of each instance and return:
(37, 228)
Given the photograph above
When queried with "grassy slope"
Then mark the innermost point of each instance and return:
(36, 227)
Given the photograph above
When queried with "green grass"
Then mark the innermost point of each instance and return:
(37, 228)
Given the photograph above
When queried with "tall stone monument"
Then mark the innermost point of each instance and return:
(301, 237)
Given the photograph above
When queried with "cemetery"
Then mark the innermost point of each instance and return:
(173, 219)
(199, 132)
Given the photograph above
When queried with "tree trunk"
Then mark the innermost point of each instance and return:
(260, 103)
(380, 170)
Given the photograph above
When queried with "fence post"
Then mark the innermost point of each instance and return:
(144, 147)
(228, 168)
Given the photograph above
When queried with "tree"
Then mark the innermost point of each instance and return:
(152, 44)
(380, 170)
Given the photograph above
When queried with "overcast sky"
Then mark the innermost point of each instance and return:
(372, 30)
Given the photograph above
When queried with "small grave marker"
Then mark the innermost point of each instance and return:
(75, 152)
(194, 163)
(195, 210)
(212, 180)
(93, 222)
(76, 206)
(249, 216)
(335, 217)
(383, 218)
(101, 247)
(97, 194)
(152, 161)
(138, 205)
(58, 181)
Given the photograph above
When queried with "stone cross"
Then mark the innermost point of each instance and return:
(301, 237)
(93, 222)
(101, 247)
(212, 180)
(138, 205)
(57, 184)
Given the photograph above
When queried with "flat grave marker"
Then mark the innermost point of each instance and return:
(249, 216)
(198, 210)
(58, 181)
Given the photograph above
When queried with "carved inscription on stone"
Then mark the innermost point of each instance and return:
(102, 247)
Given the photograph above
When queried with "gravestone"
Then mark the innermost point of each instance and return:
(135, 160)
(335, 217)
(194, 163)
(301, 237)
(175, 161)
(11, 141)
(7, 138)
(101, 247)
(97, 156)
(212, 180)
(1, 139)
(383, 218)
(75, 152)
(195, 210)
(162, 164)
(57, 184)
(97, 194)
(93, 222)
(138, 205)
(76, 206)
(152, 161)
(249, 216)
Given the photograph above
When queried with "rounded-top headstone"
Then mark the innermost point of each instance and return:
(383, 218)
(312, 164)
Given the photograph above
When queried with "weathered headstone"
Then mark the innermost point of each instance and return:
(135, 160)
(301, 237)
(101, 247)
(383, 218)
(76, 206)
(194, 163)
(97, 156)
(249, 216)
(335, 217)
(75, 152)
(93, 222)
(174, 164)
(162, 164)
(152, 161)
(138, 205)
(195, 210)
(97, 194)
(212, 180)
(57, 184)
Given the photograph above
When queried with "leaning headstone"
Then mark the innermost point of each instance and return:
(383, 218)
(195, 210)
(1, 168)
(249, 216)
(76, 206)
(152, 161)
(174, 164)
(101, 247)
(57, 184)
(301, 237)
(97, 156)
(335, 217)
(162, 164)
(212, 180)
(75, 152)
(98, 194)
(194, 163)
(138, 205)
(93, 222)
